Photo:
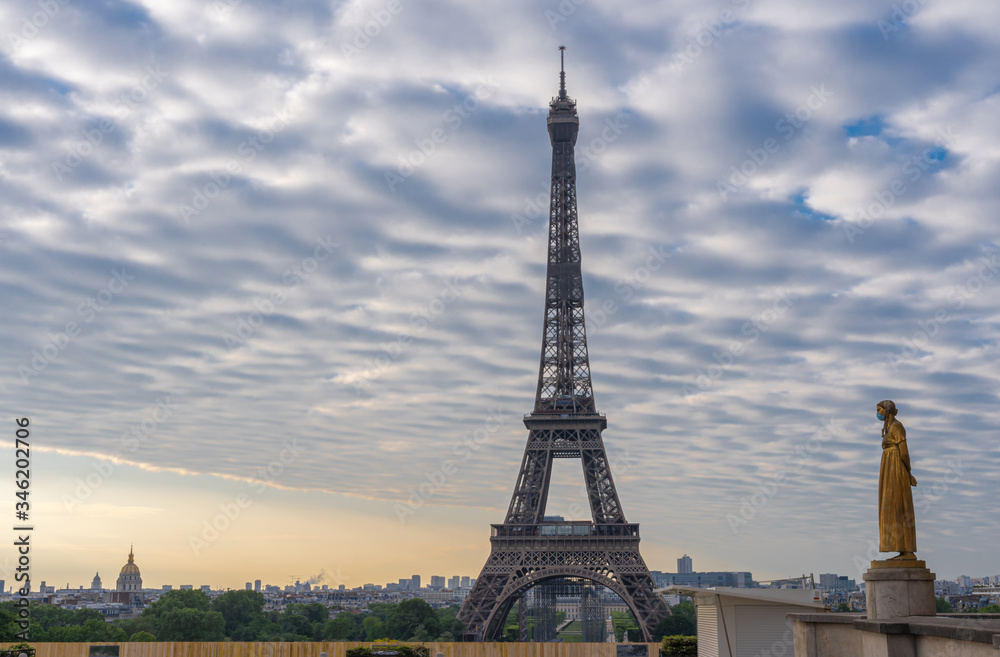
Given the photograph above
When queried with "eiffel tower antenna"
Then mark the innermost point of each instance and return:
(530, 548)
(562, 71)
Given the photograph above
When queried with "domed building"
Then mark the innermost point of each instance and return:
(129, 579)
(96, 584)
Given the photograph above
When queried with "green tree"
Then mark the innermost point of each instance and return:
(8, 630)
(296, 626)
(52, 623)
(843, 606)
(374, 628)
(679, 622)
(190, 624)
(409, 615)
(345, 626)
(303, 622)
(452, 629)
(421, 634)
(261, 628)
(48, 616)
(179, 599)
(96, 629)
(942, 606)
(382, 610)
(91, 630)
(990, 609)
(142, 636)
(136, 625)
(316, 612)
(239, 608)
(45, 617)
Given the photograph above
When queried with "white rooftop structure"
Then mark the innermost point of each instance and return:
(747, 622)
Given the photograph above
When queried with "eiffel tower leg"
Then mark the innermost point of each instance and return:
(481, 603)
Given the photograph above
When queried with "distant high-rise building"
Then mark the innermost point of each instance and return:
(736, 580)
(168, 587)
(834, 582)
(341, 587)
(186, 587)
(437, 582)
(466, 584)
(249, 585)
(454, 582)
(684, 565)
(404, 583)
(206, 588)
(3, 586)
(256, 585)
(415, 582)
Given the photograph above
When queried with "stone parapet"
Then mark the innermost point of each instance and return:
(838, 635)
(899, 592)
(961, 628)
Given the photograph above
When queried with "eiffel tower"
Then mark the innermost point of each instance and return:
(527, 549)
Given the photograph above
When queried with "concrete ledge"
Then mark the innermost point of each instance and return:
(959, 629)
(895, 574)
(844, 618)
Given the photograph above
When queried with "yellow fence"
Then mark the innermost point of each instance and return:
(333, 649)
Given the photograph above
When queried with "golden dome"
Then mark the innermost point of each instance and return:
(130, 568)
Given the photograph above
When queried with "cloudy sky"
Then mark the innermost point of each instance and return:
(273, 273)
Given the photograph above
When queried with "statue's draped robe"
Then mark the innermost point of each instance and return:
(896, 527)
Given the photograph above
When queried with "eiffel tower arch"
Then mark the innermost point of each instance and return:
(527, 550)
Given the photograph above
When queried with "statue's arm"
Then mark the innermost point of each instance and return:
(904, 453)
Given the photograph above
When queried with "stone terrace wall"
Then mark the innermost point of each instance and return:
(844, 635)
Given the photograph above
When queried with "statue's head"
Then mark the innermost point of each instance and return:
(885, 409)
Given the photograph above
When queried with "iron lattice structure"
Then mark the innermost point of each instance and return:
(526, 550)
(538, 610)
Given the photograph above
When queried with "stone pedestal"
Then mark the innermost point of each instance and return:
(895, 589)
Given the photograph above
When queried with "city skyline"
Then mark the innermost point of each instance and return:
(333, 581)
(274, 278)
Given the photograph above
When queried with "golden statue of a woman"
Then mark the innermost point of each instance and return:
(897, 530)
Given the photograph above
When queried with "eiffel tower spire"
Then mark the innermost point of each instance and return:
(564, 375)
(527, 549)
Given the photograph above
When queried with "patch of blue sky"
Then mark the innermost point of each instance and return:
(866, 127)
(802, 209)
